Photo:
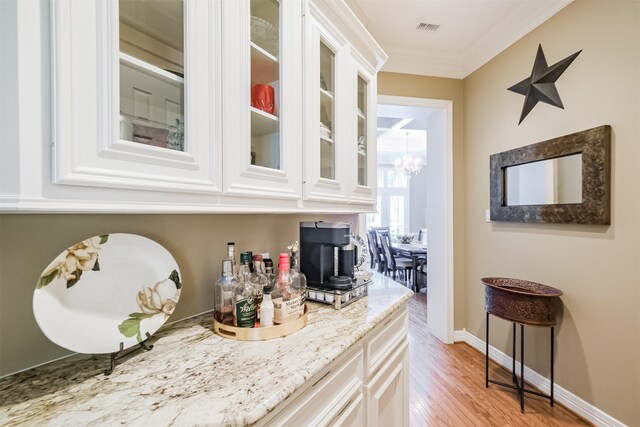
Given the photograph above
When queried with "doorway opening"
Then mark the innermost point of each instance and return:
(415, 194)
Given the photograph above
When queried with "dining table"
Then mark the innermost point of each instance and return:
(414, 251)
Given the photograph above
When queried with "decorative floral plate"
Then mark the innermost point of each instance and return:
(106, 290)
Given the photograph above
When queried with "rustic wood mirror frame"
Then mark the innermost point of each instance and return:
(595, 147)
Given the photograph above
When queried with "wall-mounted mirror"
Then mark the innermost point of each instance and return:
(562, 180)
(545, 182)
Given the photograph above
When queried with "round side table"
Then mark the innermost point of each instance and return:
(524, 303)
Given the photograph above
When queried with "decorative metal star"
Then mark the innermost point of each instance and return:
(540, 86)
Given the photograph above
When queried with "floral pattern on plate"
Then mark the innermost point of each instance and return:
(71, 263)
(159, 300)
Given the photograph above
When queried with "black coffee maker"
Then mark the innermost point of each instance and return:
(327, 257)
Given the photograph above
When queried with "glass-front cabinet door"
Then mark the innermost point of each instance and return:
(325, 123)
(262, 98)
(152, 72)
(327, 112)
(363, 139)
(137, 95)
(361, 115)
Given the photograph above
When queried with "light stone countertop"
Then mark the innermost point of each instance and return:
(193, 376)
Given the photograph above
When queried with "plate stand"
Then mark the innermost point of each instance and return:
(114, 355)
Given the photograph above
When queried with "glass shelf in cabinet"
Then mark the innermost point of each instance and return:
(327, 140)
(264, 66)
(263, 123)
(326, 93)
(145, 67)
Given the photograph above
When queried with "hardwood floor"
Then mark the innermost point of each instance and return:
(447, 385)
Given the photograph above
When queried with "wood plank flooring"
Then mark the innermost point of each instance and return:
(447, 385)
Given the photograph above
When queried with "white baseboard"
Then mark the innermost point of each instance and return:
(561, 395)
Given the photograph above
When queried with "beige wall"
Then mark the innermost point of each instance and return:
(395, 84)
(198, 243)
(597, 267)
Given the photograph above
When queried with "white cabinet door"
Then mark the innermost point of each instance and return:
(136, 89)
(387, 394)
(262, 75)
(327, 106)
(361, 147)
(352, 415)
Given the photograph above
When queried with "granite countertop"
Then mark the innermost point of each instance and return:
(193, 376)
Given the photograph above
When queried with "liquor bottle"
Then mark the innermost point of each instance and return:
(266, 310)
(272, 279)
(244, 300)
(245, 258)
(231, 255)
(298, 279)
(259, 281)
(250, 255)
(223, 294)
(286, 301)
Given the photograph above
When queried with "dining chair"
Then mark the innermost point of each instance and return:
(374, 251)
(371, 250)
(393, 262)
(422, 236)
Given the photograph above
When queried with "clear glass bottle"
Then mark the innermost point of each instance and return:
(272, 279)
(298, 279)
(223, 294)
(259, 280)
(250, 256)
(286, 301)
(244, 300)
(231, 255)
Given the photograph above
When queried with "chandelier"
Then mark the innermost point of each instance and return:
(408, 164)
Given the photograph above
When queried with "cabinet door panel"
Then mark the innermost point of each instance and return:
(362, 147)
(326, 98)
(262, 103)
(387, 393)
(135, 122)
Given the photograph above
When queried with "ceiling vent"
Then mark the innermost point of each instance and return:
(427, 27)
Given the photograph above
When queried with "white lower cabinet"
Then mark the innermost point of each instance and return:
(358, 389)
(387, 397)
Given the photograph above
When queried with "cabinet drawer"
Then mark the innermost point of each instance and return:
(326, 398)
(352, 415)
(379, 346)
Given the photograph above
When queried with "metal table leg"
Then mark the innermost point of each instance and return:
(521, 368)
(551, 391)
(518, 383)
(486, 365)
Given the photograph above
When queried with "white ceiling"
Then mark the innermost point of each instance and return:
(471, 31)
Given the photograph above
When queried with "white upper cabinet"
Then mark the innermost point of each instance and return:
(136, 92)
(262, 98)
(341, 61)
(189, 106)
(326, 126)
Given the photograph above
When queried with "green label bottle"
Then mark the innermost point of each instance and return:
(246, 312)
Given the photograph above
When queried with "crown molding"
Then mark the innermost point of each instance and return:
(514, 26)
(428, 62)
(458, 65)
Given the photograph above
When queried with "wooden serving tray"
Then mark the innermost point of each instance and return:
(260, 334)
